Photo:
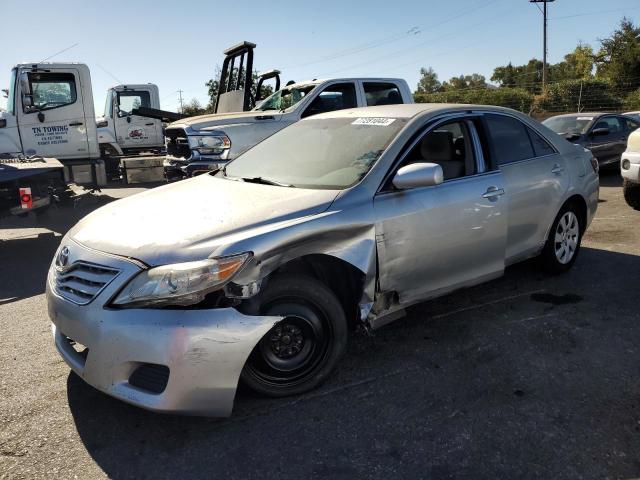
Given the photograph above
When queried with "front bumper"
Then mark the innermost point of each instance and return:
(632, 161)
(203, 350)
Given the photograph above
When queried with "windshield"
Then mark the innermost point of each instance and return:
(332, 153)
(12, 92)
(284, 98)
(569, 125)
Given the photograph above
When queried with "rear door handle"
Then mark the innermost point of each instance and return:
(149, 124)
(75, 124)
(493, 192)
(557, 169)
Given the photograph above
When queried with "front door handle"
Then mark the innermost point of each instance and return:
(557, 169)
(149, 124)
(75, 124)
(493, 192)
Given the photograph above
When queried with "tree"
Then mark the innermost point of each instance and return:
(428, 82)
(193, 108)
(474, 80)
(619, 56)
(505, 76)
(581, 61)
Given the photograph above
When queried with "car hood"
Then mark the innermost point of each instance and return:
(204, 122)
(183, 221)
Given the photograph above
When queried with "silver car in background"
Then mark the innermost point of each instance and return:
(257, 273)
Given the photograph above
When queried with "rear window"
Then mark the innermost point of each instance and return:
(540, 145)
(509, 139)
(381, 93)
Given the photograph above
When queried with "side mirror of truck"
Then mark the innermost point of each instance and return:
(25, 88)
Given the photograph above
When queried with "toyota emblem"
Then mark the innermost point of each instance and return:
(63, 258)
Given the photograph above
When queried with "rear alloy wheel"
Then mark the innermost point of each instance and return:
(301, 350)
(563, 244)
(631, 191)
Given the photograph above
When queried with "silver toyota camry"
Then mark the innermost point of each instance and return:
(257, 273)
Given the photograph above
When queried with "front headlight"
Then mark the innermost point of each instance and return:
(213, 144)
(180, 283)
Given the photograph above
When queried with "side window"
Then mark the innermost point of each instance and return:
(612, 123)
(540, 146)
(450, 146)
(128, 100)
(509, 139)
(631, 125)
(381, 94)
(334, 97)
(51, 90)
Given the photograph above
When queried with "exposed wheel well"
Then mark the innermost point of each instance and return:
(344, 280)
(581, 205)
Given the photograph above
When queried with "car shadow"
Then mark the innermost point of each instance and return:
(521, 368)
(610, 177)
(28, 255)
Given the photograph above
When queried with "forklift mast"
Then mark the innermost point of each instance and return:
(234, 88)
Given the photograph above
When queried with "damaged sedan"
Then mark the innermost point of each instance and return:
(257, 273)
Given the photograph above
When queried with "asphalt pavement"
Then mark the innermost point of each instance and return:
(528, 376)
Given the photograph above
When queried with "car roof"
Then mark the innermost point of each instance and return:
(407, 110)
(585, 114)
(318, 81)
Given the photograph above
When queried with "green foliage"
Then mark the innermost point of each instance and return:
(474, 80)
(619, 56)
(632, 101)
(578, 95)
(428, 82)
(516, 98)
(193, 108)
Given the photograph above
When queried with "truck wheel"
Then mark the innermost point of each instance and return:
(563, 244)
(631, 191)
(301, 350)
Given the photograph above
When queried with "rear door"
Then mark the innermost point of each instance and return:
(134, 131)
(536, 179)
(55, 125)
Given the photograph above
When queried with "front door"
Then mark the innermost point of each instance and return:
(55, 124)
(134, 131)
(435, 239)
(608, 148)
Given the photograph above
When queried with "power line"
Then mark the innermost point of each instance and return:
(109, 73)
(600, 12)
(61, 51)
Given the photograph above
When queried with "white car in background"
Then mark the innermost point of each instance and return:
(630, 171)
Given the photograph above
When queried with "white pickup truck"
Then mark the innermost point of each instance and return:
(198, 144)
(630, 170)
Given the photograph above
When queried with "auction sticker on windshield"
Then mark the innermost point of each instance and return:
(381, 122)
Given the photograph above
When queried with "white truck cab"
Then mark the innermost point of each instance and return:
(122, 132)
(50, 112)
(205, 142)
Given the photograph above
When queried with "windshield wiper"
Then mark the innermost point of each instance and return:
(265, 181)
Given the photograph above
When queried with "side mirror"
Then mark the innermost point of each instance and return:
(598, 132)
(25, 89)
(418, 175)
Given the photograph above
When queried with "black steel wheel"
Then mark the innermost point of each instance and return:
(301, 350)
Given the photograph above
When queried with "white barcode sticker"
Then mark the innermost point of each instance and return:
(379, 121)
(585, 118)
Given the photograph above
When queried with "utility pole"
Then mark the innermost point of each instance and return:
(544, 41)
(181, 107)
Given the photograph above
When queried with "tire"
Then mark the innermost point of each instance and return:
(568, 226)
(300, 352)
(631, 191)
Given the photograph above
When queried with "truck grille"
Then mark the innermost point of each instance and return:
(82, 282)
(177, 143)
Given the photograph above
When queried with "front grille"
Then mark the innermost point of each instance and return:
(150, 377)
(177, 143)
(82, 282)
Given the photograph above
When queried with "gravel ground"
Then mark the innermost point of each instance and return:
(528, 376)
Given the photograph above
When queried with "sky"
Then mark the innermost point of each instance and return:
(177, 45)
